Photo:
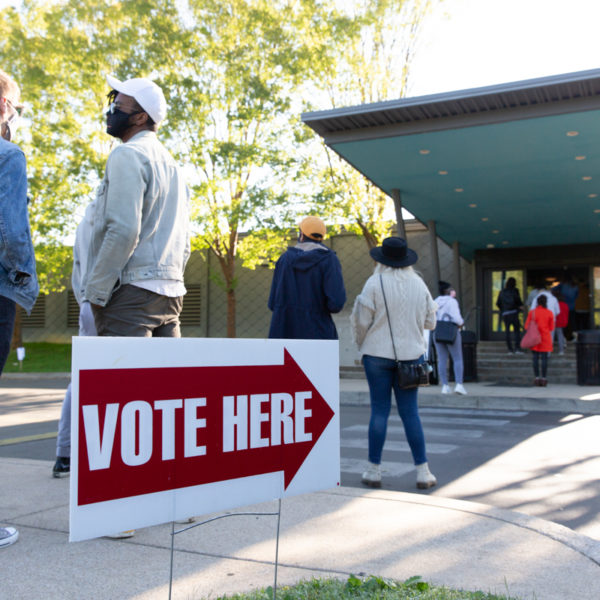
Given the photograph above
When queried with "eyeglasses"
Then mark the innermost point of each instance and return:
(17, 109)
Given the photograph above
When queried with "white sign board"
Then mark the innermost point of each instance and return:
(163, 428)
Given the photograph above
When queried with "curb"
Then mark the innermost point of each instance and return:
(34, 376)
(584, 545)
(562, 405)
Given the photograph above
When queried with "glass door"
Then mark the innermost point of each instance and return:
(595, 299)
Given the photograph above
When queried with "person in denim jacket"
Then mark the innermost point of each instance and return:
(140, 240)
(18, 280)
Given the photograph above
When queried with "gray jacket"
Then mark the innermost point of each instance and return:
(141, 225)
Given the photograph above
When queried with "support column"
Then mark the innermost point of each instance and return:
(434, 251)
(457, 278)
(399, 219)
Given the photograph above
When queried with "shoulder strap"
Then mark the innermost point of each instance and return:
(388, 317)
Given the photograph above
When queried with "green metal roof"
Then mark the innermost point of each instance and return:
(504, 166)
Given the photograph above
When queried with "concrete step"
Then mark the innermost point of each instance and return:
(511, 363)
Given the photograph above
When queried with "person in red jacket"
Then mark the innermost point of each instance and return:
(562, 320)
(544, 319)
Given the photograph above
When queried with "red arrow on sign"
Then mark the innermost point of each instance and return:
(150, 430)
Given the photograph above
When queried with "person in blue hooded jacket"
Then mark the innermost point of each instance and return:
(307, 287)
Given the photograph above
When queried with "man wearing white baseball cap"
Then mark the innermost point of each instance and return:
(140, 241)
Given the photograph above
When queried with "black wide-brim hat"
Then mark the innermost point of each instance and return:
(394, 252)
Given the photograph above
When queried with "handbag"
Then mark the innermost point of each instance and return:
(532, 336)
(409, 375)
(445, 330)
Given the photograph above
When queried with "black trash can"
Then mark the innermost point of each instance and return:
(469, 350)
(588, 357)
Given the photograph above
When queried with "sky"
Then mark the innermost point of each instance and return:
(475, 43)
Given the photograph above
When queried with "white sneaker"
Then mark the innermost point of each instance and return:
(372, 476)
(122, 534)
(425, 478)
(446, 389)
(459, 388)
(8, 536)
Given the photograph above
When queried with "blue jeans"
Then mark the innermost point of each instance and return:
(382, 379)
(8, 311)
(455, 351)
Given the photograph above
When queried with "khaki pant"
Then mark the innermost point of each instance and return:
(136, 312)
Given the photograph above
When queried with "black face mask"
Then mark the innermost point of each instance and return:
(117, 122)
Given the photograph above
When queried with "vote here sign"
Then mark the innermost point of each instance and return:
(163, 429)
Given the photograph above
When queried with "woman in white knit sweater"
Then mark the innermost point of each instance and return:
(411, 310)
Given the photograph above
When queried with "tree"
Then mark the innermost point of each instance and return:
(231, 70)
(374, 66)
(58, 53)
(255, 56)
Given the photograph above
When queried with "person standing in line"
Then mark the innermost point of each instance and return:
(509, 303)
(561, 321)
(140, 240)
(307, 287)
(18, 278)
(449, 310)
(87, 327)
(582, 306)
(569, 290)
(551, 301)
(384, 334)
(544, 319)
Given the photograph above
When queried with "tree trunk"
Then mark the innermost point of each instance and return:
(228, 266)
(369, 238)
(231, 301)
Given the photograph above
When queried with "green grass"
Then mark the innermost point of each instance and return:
(368, 588)
(41, 357)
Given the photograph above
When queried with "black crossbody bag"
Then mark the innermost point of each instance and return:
(409, 375)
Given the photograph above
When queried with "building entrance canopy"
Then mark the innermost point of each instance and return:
(507, 166)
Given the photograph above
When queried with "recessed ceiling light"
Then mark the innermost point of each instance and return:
(592, 195)
(472, 205)
(580, 158)
(443, 172)
(495, 231)
(424, 151)
(484, 219)
(572, 133)
(459, 189)
(491, 246)
(586, 178)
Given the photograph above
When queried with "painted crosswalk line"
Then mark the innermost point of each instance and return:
(391, 469)
(457, 421)
(397, 446)
(471, 434)
(474, 412)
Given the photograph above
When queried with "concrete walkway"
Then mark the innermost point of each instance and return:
(331, 533)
